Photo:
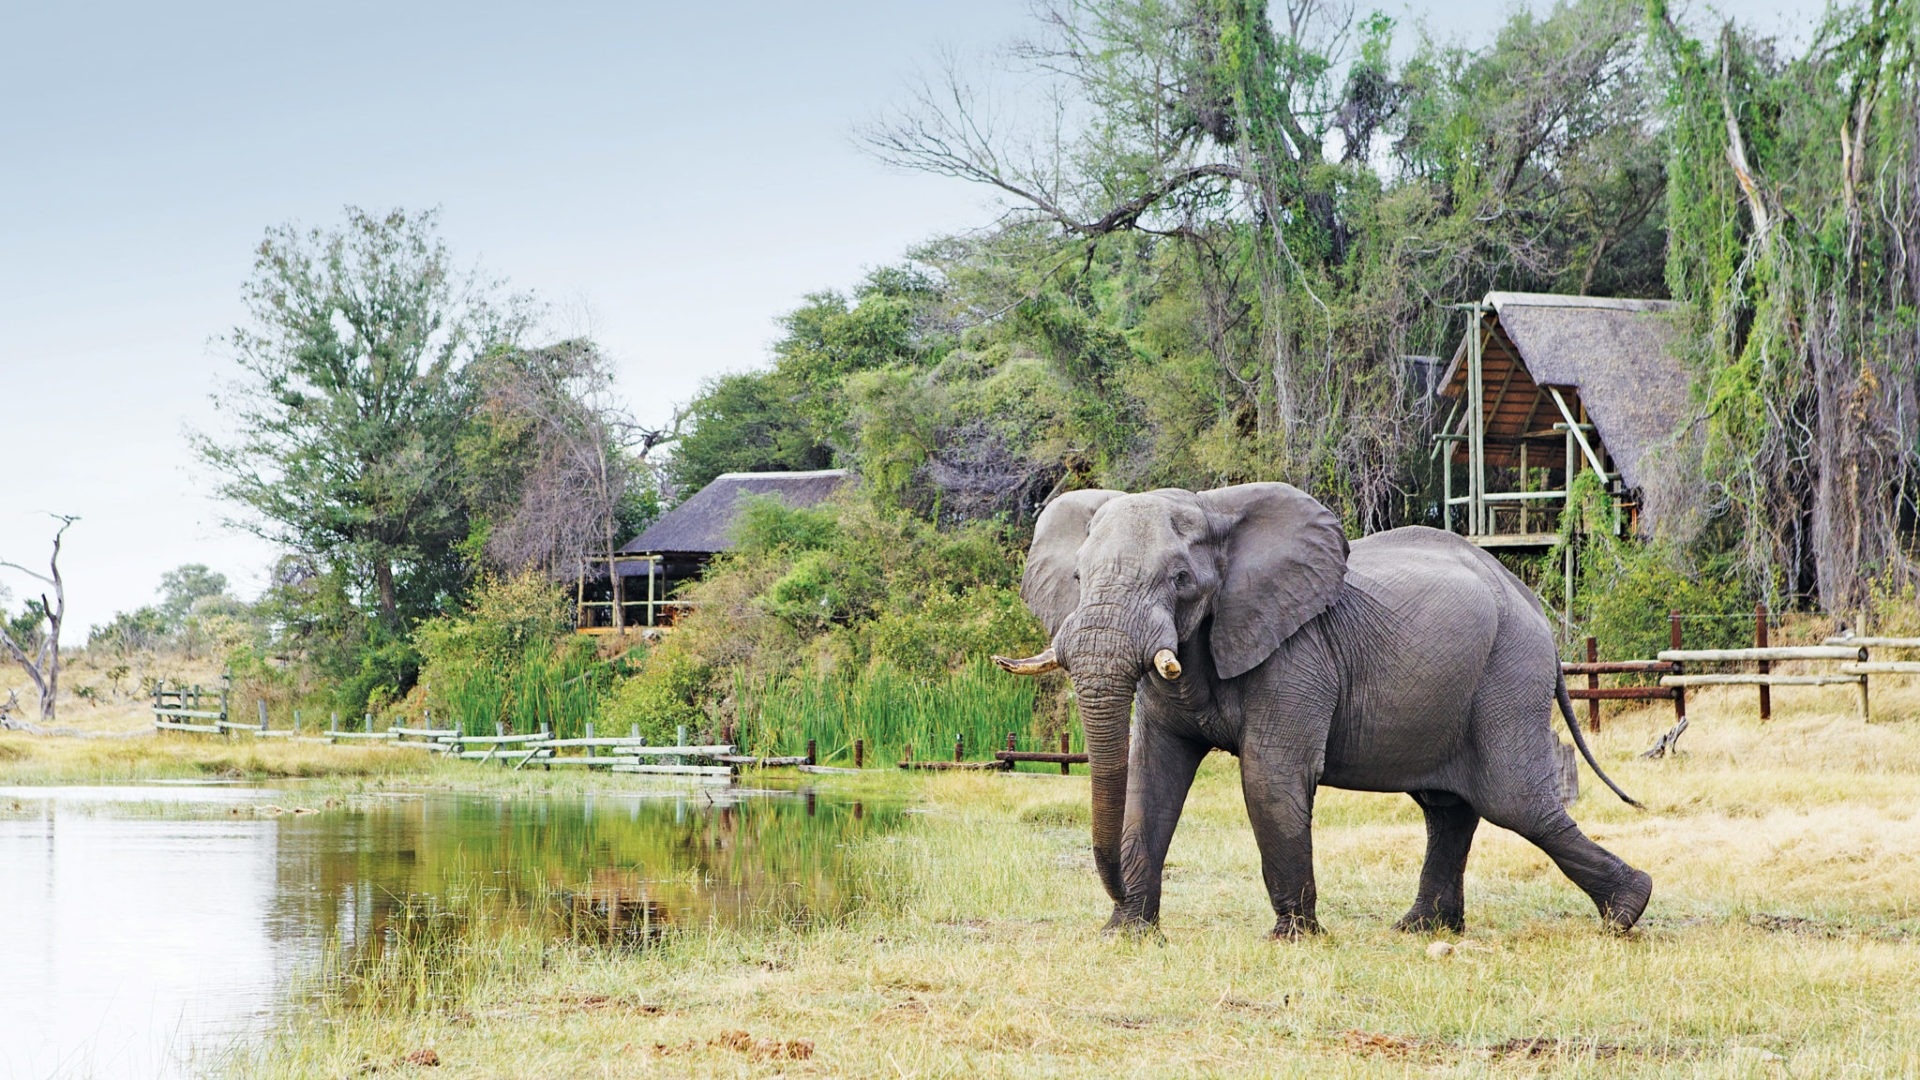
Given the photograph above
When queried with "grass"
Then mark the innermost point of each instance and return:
(892, 711)
(1782, 941)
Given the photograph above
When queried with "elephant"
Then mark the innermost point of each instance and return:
(1241, 619)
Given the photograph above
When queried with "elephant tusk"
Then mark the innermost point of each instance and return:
(1168, 664)
(1032, 665)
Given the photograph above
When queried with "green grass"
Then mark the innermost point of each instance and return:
(1782, 941)
(892, 711)
(560, 688)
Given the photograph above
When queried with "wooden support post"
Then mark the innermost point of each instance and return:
(859, 753)
(333, 721)
(1865, 716)
(296, 720)
(590, 747)
(263, 713)
(813, 751)
(1760, 642)
(1526, 523)
(367, 721)
(1593, 683)
(1679, 692)
(1476, 428)
(959, 747)
(1066, 747)
(1446, 486)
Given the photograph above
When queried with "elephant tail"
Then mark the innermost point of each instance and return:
(1579, 740)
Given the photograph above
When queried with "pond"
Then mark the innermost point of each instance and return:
(150, 926)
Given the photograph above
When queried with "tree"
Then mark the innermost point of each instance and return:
(556, 441)
(39, 654)
(353, 394)
(798, 415)
(1240, 216)
(184, 586)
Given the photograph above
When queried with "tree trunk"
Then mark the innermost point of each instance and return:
(383, 580)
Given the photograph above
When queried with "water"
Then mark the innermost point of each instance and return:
(147, 925)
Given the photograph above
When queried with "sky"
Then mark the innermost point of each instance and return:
(669, 178)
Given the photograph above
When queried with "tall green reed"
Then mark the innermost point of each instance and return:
(890, 710)
(559, 687)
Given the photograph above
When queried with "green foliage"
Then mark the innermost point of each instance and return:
(768, 527)
(849, 604)
(340, 438)
(744, 423)
(183, 587)
(1626, 600)
(509, 659)
(797, 415)
(891, 711)
(671, 691)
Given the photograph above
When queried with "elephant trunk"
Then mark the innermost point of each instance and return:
(1106, 710)
(1106, 650)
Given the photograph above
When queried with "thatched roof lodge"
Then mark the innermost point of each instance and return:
(1599, 382)
(677, 547)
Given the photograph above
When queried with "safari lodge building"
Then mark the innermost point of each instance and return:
(1544, 387)
(650, 568)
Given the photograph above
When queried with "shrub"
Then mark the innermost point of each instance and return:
(509, 659)
(668, 692)
(1629, 591)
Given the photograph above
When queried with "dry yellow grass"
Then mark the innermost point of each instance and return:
(98, 698)
(1781, 941)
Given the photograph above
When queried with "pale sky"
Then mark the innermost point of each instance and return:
(669, 178)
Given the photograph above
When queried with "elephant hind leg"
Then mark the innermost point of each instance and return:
(1617, 889)
(1441, 901)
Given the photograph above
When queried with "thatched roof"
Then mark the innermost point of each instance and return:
(704, 523)
(1621, 356)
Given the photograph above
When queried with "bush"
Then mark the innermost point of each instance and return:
(1628, 591)
(845, 621)
(510, 659)
(668, 692)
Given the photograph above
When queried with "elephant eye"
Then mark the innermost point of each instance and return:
(1182, 579)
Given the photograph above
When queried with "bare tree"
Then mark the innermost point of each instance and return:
(567, 505)
(42, 664)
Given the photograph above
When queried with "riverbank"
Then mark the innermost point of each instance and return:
(1781, 940)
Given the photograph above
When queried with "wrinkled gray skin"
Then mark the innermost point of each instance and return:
(1414, 662)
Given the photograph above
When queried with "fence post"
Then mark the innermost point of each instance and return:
(367, 721)
(813, 752)
(1593, 683)
(859, 753)
(1679, 692)
(590, 746)
(333, 721)
(959, 747)
(263, 713)
(1066, 747)
(1760, 642)
(296, 721)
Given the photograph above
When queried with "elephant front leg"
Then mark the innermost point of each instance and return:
(1441, 902)
(1280, 804)
(1160, 772)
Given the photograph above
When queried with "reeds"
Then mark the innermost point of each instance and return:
(977, 705)
(561, 687)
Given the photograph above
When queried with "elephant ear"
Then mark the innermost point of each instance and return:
(1283, 558)
(1048, 586)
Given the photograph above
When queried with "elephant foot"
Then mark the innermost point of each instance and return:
(1294, 927)
(1130, 925)
(1426, 920)
(1624, 906)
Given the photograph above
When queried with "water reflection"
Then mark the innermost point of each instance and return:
(147, 930)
